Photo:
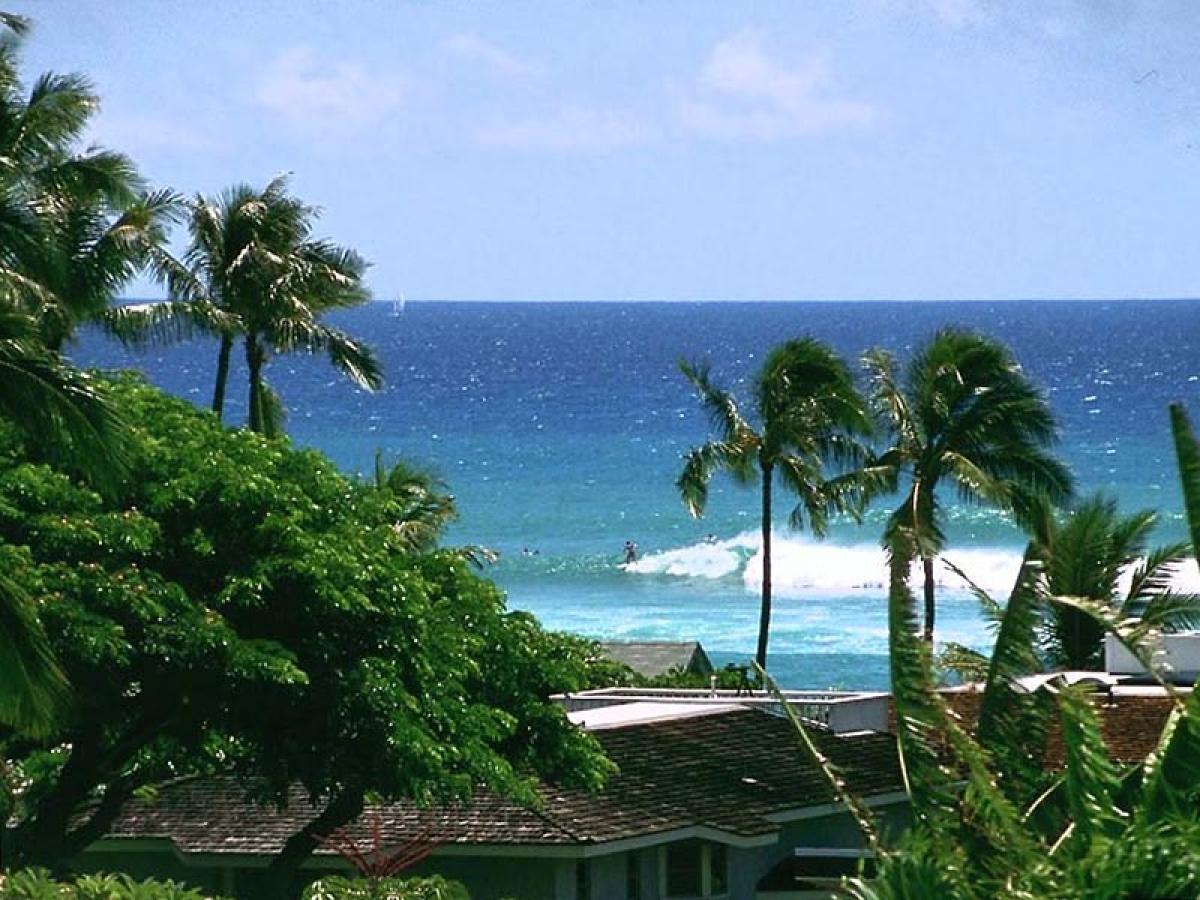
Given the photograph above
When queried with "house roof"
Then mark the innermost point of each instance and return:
(736, 771)
(1132, 719)
(654, 658)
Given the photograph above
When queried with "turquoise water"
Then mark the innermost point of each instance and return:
(560, 429)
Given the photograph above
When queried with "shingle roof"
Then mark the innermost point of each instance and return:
(1132, 721)
(730, 771)
(653, 658)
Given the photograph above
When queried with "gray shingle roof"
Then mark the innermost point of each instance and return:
(653, 658)
(729, 771)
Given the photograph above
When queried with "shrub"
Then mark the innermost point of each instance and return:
(38, 884)
(433, 887)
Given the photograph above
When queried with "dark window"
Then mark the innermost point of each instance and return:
(583, 881)
(685, 863)
(633, 877)
(718, 864)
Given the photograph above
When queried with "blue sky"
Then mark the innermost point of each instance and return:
(679, 149)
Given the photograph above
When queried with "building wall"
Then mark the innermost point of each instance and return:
(498, 878)
(521, 878)
(486, 878)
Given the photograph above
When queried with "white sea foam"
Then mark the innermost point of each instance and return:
(803, 567)
(708, 559)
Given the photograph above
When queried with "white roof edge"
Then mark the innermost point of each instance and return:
(643, 713)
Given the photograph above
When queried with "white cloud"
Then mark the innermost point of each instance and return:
(744, 93)
(311, 93)
(567, 128)
(474, 49)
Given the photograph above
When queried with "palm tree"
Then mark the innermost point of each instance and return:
(65, 419)
(91, 250)
(422, 509)
(70, 231)
(810, 418)
(1086, 556)
(252, 272)
(73, 228)
(965, 415)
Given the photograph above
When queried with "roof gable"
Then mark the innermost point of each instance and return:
(734, 771)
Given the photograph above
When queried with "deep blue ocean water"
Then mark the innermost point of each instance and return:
(560, 429)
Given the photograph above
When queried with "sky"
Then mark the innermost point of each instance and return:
(677, 149)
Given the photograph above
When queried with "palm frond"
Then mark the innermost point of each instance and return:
(1187, 452)
(36, 693)
(860, 813)
(723, 413)
(1171, 774)
(1136, 636)
(1091, 780)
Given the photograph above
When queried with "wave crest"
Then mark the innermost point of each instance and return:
(802, 567)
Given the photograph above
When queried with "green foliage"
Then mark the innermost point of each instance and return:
(243, 606)
(253, 273)
(986, 825)
(1085, 556)
(38, 884)
(433, 887)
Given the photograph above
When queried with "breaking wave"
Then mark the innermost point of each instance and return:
(803, 567)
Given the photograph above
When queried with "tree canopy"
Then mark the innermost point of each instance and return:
(242, 606)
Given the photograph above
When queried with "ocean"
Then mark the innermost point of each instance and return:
(560, 429)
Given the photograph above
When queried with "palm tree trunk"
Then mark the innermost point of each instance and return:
(218, 403)
(930, 606)
(764, 617)
(255, 357)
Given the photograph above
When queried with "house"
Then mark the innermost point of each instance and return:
(650, 659)
(713, 798)
(1131, 705)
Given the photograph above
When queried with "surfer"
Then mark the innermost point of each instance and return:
(630, 552)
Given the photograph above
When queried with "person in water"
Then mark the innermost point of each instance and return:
(630, 552)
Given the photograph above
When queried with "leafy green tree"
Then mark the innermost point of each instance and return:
(967, 416)
(253, 272)
(1087, 555)
(242, 607)
(810, 418)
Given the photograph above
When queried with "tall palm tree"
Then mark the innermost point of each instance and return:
(73, 226)
(252, 272)
(1087, 555)
(968, 416)
(810, 418)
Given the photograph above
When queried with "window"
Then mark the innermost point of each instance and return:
(696, 869)
(718, 869)
(633, 877)
(685, 863)
(583, 881)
